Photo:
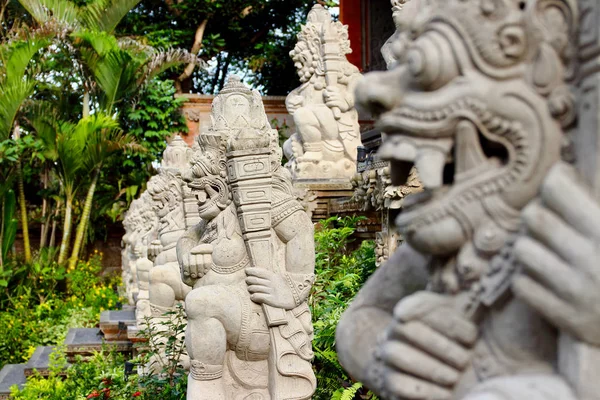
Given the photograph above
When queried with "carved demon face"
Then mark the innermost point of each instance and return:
(304, 60)
(166, 194)
(477, 101)
(207, 176)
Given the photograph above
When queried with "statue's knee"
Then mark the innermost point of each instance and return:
(157, 275)
(202, 303)
(305, 116)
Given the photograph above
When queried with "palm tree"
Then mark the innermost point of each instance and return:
(113, 71)
(103, 137)
(64, 145)
(16, 86)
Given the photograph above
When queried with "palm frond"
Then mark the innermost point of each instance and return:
(101, 42)
(17, 56)
(12, 95)
(44, 119)
(64, 12)
(164, 60)
(105, 15)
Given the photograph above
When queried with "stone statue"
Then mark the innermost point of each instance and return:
(166, 189)
(495, 294)
(324, 145)
(140, 225)
(165, 287)
(250, 261)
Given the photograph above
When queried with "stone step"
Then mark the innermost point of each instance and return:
(114, 324)
(86, 341)
(40, 362)
(11, 374)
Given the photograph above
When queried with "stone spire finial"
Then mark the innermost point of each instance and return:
(176, 154)
(234, 84)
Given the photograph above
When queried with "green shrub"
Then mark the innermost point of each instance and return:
(340, 274)
(37, 311)
(102, 376)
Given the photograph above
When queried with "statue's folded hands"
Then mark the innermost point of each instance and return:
(560, 256)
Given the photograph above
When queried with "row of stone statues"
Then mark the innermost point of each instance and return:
(242, 260)
(493, 294)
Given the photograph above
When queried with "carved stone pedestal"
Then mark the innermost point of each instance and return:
(319, 195)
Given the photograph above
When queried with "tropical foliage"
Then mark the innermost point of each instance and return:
(72, 104)
(341, 270)
(251, 37)
(39, 306)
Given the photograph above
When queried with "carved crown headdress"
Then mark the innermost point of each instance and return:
(310, 37)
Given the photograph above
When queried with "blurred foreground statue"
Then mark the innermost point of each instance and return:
(495, 294)
(327, 129)
(250, 262)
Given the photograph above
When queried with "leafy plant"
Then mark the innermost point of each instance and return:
(162, 359)
(340, 274)
(38, 310)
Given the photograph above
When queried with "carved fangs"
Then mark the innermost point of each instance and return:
(428, 155)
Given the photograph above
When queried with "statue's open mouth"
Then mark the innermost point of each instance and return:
(207, 193)
(449, 146)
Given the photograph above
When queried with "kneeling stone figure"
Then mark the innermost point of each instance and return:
(249, 327)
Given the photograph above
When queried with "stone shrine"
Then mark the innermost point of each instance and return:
(250, 262)
(494, 294)
(327, 130)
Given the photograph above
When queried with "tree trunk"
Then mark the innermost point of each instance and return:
(45, 213)
(22, 204)
(2, 231)
(87, 209)
(215, 80)
(55, 225)
(189, 69)
(67, 226)
(86, 103)
(224, 72)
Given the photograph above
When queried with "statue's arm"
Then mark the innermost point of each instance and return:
(185, 244)
(371, 311)
(297, 233)
(294, 100)
(289, 285)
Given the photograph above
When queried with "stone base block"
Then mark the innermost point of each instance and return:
(40, 362)
(85, 341)
(114, 324)
(11, 374)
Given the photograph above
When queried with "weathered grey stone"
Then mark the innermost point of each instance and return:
(249, 329)
(114, 323)
(40, 361)
(495, 294)
(11, 374)
(85, 341)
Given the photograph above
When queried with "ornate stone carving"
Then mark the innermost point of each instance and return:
(327, 129)
(166, 289)
(373, 188)
(479, 103)
(140, 225)
(250, 261)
